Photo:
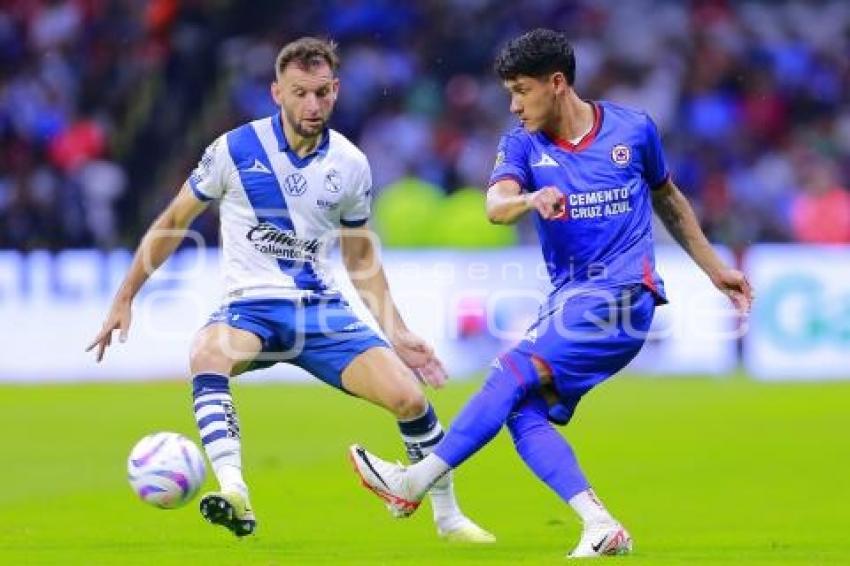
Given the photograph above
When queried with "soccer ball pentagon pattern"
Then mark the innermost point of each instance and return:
(166, 469)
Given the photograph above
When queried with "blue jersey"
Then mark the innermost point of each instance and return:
(604, 239)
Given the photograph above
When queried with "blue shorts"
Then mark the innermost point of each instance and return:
(321, 335)
(587, 338)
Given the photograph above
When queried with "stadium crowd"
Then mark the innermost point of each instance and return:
(106, 104)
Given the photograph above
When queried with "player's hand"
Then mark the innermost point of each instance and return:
(550, 202)
(419, 356)
(734, 285)
(117, 319)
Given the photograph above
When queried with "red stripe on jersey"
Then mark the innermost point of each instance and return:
(517, 375)
(588, 138)
(647, 277)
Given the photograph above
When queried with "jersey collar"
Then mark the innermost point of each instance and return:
(283, 145)
(588, 138)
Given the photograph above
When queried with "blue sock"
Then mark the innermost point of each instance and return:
(219, 428)
(545, 451)
(513, 376)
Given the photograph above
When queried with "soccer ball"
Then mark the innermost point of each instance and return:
(166, 469)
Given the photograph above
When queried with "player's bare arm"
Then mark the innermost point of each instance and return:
(678, 217)
(506, 203)
(157, 245)
(360, 256)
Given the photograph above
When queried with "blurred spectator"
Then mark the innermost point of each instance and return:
(105, 103)
(102, 182)
(76, 145)
(820, 214)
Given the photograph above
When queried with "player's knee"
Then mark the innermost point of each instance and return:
(207, 356)
(408, 403)
(528, 418)
(522, 428)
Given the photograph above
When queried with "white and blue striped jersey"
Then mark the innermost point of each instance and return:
(280, 212)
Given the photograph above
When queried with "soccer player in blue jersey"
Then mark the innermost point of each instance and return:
(287, 186)
(591, 174)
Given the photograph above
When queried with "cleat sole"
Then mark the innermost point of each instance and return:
(217, 510)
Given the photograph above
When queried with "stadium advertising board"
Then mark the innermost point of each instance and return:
(470, 305)
(801, 318)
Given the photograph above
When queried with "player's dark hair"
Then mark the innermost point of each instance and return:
(537, 53)
(308, 52)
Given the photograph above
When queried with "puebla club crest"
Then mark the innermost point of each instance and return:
(333, 182)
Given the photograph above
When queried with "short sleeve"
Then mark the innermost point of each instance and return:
(358, 205)
(655, 165)
(511, 162)
(208, 178)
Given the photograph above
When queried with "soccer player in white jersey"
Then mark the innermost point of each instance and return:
(286, 184)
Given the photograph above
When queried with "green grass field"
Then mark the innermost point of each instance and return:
(701, 471)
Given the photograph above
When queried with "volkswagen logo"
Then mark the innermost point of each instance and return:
(295, 184)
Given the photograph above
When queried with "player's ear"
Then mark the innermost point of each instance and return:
(335, 88)
(559, 82)
(277, 94)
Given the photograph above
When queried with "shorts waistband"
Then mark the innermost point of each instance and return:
(265, 295)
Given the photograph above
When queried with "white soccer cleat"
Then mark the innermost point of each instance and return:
(602, 539)
(464, 530)
(386, 480)
(231, 510)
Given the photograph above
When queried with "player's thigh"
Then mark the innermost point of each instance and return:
(220, 348)
(379, 376)
(591, 340)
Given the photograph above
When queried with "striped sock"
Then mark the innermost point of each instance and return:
(421, 435)
(219, 429)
